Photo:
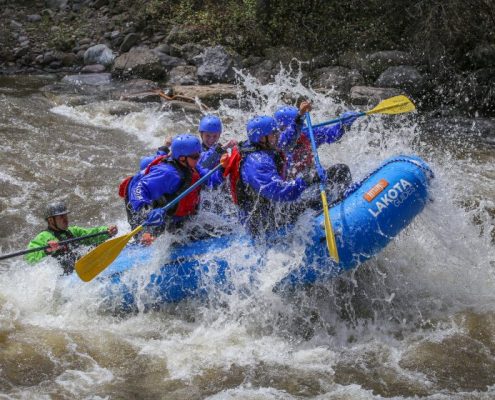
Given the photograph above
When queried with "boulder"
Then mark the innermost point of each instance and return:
(33, 18)
(366, 95)
(340, 79)
(403, 77)
(371, 65)
(381, 60)
(93, 69)
(215, 65)
(99, 54)
(139, 62)
(130, 40)
(168, 62)
(183, 75)
(88, 79)
(263, 71)
(56, 4)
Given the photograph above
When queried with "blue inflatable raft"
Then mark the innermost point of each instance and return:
(372, 213)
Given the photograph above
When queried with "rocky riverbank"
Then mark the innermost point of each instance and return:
(100, 40)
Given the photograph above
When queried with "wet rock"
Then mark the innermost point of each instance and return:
(93, 69)
(169, 62)
(187, 51)
(19, 52)
(33, 18)
(264, 71)
(402, 77)
(378, 62)
(216, 66)
(129, 41)
(88, 79)
(100, 3)
(251, 61)
(56, 4)
(162, 48)
(322, 60)
(183, 75)
(366, 95)
(15, 25)
(99, 54)
(139, 62)
(371, 65)
(340, 79)
(68, 59)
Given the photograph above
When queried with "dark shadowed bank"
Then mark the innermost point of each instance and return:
(440, 53)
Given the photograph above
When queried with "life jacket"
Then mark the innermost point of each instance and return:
(67, 258)
(124, 185)
(189, 204)
(238, 189)
(301, 156)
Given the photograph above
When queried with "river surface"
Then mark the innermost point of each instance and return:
(418, 320)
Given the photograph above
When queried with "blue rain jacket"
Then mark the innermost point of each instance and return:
(259, 171)
(162, 179)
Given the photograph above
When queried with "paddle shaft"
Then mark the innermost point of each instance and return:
(330, 237)
(393, 105)
(333, 121)
(72, 240)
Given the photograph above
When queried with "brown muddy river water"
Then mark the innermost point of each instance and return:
(416, 321)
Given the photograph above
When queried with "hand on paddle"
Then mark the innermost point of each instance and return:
(304, 107)
(224, 160)
(230, 144)
(55, 246)
(112, 230)
(155, 217)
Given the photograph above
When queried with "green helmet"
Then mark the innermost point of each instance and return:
(56, 208)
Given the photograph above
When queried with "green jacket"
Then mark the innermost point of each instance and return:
(44, 237)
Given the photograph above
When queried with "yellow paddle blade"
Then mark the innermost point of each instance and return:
(332, 246)
(394, 105)
(91, 264)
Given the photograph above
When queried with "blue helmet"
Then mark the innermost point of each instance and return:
(210, 124)
(285, 115)
(185, 144)
(259, 127)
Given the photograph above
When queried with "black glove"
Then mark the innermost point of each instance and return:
(311, 177)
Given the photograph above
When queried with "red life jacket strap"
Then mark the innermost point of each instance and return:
(123, 186)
